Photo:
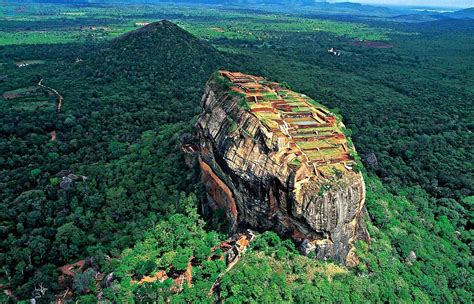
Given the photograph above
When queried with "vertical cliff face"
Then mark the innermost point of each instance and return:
(275, 159)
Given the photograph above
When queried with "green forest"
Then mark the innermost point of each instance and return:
(102, 179)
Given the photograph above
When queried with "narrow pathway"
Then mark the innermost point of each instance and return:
(58, 106)
(239, 248)
(232, 250)
(55, 92)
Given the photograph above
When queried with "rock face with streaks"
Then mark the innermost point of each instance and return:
(275, 159)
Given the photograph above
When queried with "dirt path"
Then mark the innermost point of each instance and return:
(241, 247)
(55, 92)
(58, 106)
(53, 135)
(232, 250)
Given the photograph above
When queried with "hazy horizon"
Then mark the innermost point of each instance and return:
(428, 3)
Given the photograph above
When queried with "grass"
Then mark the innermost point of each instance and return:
(32, 103)
(22, 92)
(232, 125)
(315, 144)
(270, 96)
(307, 145)
(32, 106)
(295, 162)
(320, 129)
(301, 109)
(29, 62)
(206, 22)
(263, 26)
(244, 104)
(330, 153)
(45, 37)
(11, 38)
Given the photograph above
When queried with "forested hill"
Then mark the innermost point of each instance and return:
(125, 105)
(163, 54)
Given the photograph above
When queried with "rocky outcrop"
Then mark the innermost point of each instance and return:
(275, 159)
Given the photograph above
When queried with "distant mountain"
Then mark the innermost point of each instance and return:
(467, 13)
(298, 6)
(353, 8)
(427, 16)
(237, 2)
(417, 17)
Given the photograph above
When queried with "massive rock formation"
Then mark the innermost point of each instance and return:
(276, 159)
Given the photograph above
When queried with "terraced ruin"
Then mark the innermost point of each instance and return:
(309, 136)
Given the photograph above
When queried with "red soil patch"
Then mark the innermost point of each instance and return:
(243, 242)
(255, 110)
(72, 269)
(188, 274)
(371, 44)
(159, 276)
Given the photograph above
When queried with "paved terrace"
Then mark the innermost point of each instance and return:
(307, 132)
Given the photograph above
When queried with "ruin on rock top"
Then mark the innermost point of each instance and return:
(274, 159)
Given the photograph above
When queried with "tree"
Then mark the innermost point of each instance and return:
(69, 239)
(85, 281)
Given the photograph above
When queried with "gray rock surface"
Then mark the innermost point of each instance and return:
(243, 176)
